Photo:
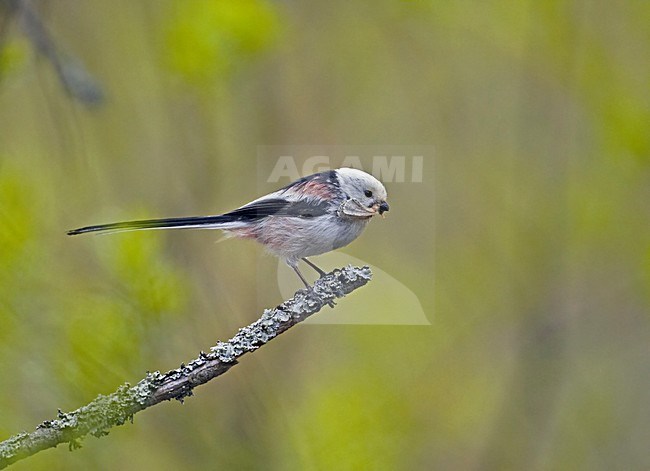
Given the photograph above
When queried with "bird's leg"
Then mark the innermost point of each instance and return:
(302, 278)
(294, 265)
(320, 272)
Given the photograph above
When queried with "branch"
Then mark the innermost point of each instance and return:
(76, 80)
(97, 417)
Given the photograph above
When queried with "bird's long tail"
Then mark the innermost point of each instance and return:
(197, 222)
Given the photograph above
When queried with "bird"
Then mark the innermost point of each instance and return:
(311, 216)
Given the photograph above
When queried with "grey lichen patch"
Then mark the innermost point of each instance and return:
(142, 391)
(15, 445)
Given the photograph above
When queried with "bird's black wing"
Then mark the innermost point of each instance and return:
(278, 207)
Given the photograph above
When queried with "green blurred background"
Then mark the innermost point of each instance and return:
(534, 207)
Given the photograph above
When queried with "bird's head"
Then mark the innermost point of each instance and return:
(366, 196)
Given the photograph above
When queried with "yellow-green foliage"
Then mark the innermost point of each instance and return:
(209, 38)
(19, 213)
(116, 321)
(137, 263)
(12, 56)
(21, 249)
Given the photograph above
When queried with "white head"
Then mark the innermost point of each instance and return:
(366, 195)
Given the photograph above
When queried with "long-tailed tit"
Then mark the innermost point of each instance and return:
(311, 216)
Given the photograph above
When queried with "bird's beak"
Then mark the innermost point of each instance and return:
(383, 207)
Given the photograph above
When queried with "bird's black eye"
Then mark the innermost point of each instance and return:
(368, 193)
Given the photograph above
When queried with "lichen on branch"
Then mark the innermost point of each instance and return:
(105, 412)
